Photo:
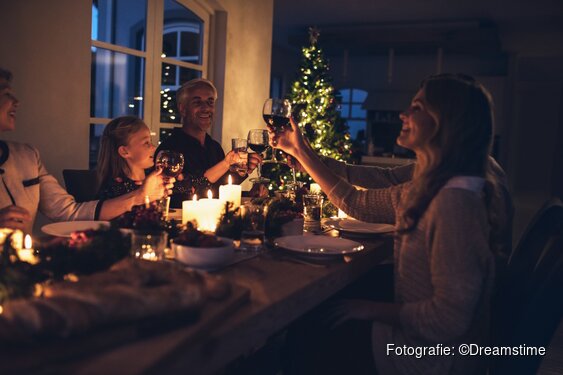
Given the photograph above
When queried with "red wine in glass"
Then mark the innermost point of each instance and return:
(171, 163)
(278, 123)
(258, 148)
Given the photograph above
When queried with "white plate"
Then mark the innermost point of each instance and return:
(359, 227)
(66, 228)
(318, 245)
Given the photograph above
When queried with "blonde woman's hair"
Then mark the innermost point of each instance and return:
(461, 142)
(116, 134)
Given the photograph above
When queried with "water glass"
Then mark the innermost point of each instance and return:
(149, 246)
(254, 219)
(312, 208)
(240, 146)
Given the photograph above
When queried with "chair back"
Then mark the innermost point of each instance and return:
(529, 303)
(81, 183)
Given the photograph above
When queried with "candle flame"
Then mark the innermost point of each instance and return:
(194, 198)
(209, 194)
(27, 242)
(230, 180)
(147, 201)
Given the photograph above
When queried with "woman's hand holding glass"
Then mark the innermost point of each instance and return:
(290, 140)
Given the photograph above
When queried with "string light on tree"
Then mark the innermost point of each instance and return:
(314, 104)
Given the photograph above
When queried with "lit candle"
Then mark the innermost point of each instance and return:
(230, 193)
(26, 254)
(190, 210)
(342, 214)
(315, 188)
(209, 213)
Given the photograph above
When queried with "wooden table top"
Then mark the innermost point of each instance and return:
(281, 290)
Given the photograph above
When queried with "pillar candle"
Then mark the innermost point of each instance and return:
(190, 210)
(209, 213)
(230, 193)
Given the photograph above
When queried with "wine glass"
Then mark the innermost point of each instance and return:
(258, 142)
(171, 163)
(276, 114)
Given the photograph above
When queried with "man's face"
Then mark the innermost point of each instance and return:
(8, 107)
(198, 108)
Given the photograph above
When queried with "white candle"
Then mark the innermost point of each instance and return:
(315, 188)
(26, 254)
(190, 210)
(342, 214)
(209, 213)
(230, 193)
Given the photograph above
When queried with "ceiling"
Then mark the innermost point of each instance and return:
(374, 26)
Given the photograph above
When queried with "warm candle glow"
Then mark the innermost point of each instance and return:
(209, 194)
(230, 180)
(194, 198)
(147, 201)
(230, 193)
(27, 242)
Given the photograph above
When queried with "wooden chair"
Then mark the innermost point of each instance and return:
(81, 183)
(529, 304)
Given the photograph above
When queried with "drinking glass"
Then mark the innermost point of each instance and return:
(276, 113)
(254, 221)
(312, 208)
(171, 163)
(240, 146)
(148, 246)
(258, 142)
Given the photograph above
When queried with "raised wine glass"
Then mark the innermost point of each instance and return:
(276, 114)
(258, 142)
(171, 163)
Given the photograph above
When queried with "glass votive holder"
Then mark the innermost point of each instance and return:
(149, 246)
(254, 226)
(312, 208)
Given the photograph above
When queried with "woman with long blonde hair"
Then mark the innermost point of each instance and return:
(443, 262)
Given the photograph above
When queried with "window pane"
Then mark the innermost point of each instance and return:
(179, 20)
(345, 95)
(96, 131)
(170, 44)
(355, 126)
(359, 96)
(168, 110)
(164, 133)
(357, 111)
(120, 22)
(345, 110)
(117, 84)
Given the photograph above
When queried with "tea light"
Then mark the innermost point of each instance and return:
(26, 254)
(315, 188)
(230, 193)
(209, 213)
(190, 210)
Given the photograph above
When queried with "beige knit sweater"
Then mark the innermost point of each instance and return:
(444, 272)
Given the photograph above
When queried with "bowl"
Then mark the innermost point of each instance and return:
(205, 257)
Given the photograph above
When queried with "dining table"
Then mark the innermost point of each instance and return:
(273, 288)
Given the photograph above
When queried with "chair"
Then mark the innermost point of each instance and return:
(81, 183)
(529, 305)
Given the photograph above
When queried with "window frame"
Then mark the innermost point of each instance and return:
(153, 59)
(351, 103)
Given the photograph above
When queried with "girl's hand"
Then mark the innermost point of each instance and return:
(156, 186)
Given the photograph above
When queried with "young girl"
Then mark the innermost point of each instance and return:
(444, 266)
(126, 152)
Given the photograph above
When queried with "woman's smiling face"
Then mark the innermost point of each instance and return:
(419, 124)
(8, 107)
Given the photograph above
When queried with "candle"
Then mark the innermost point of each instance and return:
(26, 254)
(190, 210)
(315, 188)
(209, 213)
(147, 201)
(230, 193)
(342, 214)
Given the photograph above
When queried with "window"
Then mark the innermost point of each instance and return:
(351, 110)
(142, 52)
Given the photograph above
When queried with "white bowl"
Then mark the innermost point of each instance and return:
(205, 257)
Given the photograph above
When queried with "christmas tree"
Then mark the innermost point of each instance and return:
(315, 108)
